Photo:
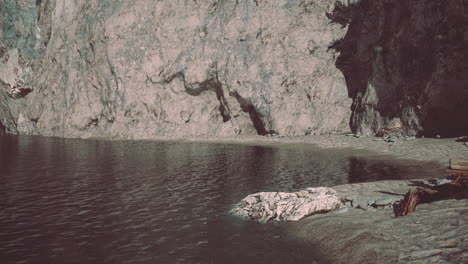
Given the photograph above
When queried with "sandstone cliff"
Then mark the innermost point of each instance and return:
(141, 69)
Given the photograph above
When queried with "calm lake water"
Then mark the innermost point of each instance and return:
(92, 201)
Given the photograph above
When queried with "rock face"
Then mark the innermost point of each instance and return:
(281, 206)
(407, 60)
(392, 129)
(7, 123)
(143, 69)
(173, 68)
(25, 126)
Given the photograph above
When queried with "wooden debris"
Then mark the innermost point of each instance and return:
(409, 203)
(457, 189)
(457, 172)
(458, 164)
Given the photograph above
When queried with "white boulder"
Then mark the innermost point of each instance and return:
(281, 206)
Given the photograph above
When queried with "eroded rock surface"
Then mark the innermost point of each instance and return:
(25, 126)
(7, 123)
(281, 206)
(143, 69)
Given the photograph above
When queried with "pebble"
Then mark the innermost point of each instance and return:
(384, 201)
(360, 202)
(466, 144)
(442, 181)
(438, 136)
(342, 210)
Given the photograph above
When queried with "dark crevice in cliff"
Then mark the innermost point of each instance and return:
(223, 105)
(215, 86)
(412, 55)
(196, 89)
(255, 116)
(2, 129)
(44, 19)
(8, 124)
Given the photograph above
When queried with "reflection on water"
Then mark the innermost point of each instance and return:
(91, 201)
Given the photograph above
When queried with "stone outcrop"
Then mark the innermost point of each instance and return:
(407, 60)
(392, 129)
(25, 126)
(7, 123)
(143, 69)
(14, 75)
(281, 206)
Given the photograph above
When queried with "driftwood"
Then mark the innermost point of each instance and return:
(458, 164)
(457, 189)
(457, 172)
(458, 167)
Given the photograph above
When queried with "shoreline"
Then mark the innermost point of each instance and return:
(416, 149)
(436, 232)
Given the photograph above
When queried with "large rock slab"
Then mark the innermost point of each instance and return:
(282, 206)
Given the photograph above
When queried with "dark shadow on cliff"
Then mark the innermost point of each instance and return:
(405, 59)
(255, 116)
(2, 129)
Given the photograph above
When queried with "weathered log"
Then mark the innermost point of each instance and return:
(457, 189)
(458, 167)
(409, 203)
(458, 181)
(458, 164)
(458, 172)
(462, 162)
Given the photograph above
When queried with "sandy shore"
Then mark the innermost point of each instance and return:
(420, 149)
(434, 233)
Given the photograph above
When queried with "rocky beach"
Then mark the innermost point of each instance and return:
(434, 233)
(364, 229)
